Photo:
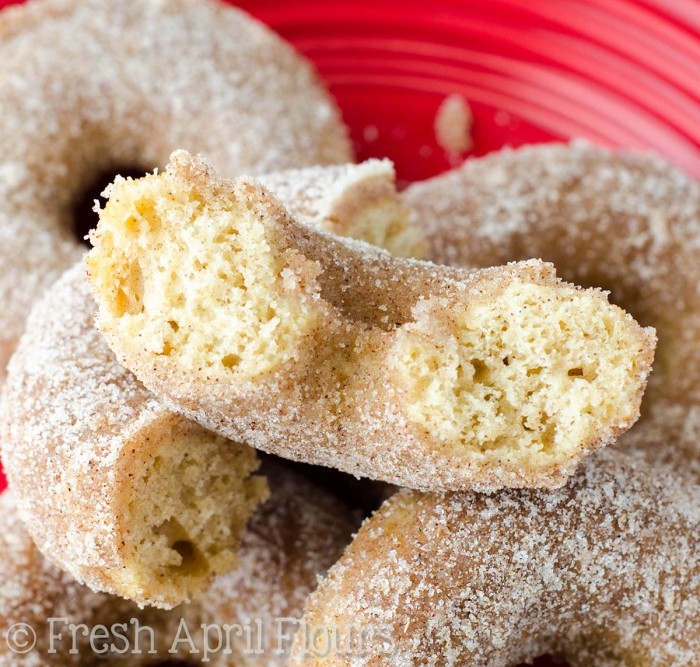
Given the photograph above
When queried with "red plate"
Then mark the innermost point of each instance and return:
(620, 73)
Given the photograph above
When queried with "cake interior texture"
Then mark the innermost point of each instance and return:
(385, 223)
(530, 373)
(187, 498)
(197, 280)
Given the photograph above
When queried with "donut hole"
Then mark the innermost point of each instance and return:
(188, 496)
(525, 377)
(364, 496)
(198, 278)
(83, 218)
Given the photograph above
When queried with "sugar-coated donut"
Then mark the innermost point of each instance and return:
(604, 573)
(332, 351)
(355, 200)
(628, 223)
(125, 495)
(93, 85)
(294, 537)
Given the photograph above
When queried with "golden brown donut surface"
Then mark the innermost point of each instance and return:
(294, 536)
(627, 223)
(604, 572)
(334, 352)
(90, 86)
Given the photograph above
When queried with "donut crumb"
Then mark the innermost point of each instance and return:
(453, 125)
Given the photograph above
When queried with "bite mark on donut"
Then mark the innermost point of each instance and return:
(527, 374)
(187, 497)
(221, 270)
(359, 201)
(384, 223)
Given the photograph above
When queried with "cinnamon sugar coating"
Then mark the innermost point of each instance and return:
(91, 86)
(282, 552)
(334, 352)
(604, 572)
(627, 223)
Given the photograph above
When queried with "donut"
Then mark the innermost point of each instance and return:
(628, 223)
(282, 552)
(122, 459)
(95, 86)
(604, 572)
(126, 496)
(334, 352)
(359, 201)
